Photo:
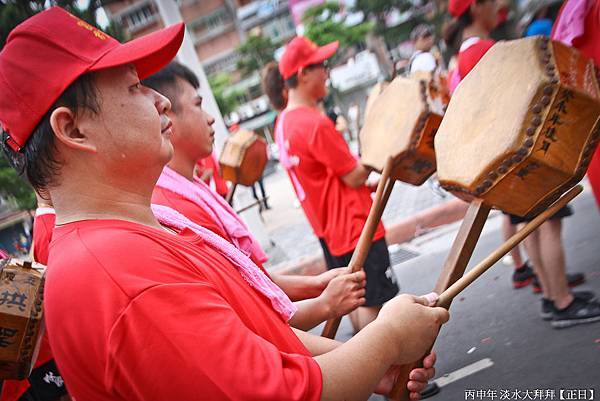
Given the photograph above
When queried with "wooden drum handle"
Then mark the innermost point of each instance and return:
(384, 189)
(400, 392)
(456, 288)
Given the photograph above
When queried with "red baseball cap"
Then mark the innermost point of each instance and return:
(301, 52)
(456, 8)
(47, 52)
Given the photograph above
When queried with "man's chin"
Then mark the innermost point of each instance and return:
(167, 152)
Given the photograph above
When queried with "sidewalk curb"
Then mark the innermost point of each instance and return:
(403, 231)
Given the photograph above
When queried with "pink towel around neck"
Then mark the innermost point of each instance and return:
(223, 215)
(571, 23)
(284, 158)
(248, 270)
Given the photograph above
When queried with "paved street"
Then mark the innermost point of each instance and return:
(499, 329)
(288, 228)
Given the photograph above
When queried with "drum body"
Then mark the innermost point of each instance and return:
(373, 95)
(21, 316)
(402, 123)
(243, 158)
(522, 127)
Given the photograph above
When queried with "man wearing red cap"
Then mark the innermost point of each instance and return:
(137, 310)
(327, 178)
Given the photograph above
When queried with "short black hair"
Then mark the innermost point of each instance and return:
(37, 161)
(165, 81)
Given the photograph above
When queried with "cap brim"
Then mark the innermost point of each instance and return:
(148, 53)
(323, 53)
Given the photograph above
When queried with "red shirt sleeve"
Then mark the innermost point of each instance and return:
(468, 58)
(170, 334)
(43, 225)
(329, 147)
(589, 42)
(211, 162)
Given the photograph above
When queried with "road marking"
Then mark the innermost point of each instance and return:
(464, 372)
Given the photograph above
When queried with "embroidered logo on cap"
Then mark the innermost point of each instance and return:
(95, 31)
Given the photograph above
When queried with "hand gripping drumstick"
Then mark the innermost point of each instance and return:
(456, 284)
(384, 189)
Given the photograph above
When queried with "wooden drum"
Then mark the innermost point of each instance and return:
(402, 123)
(243, 158)
(21, 316)
(374, 93)
(522, 127)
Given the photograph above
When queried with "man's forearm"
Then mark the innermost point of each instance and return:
(352, 371)
(357, 177)
(311, 313)
(298, 287)
(317, 345)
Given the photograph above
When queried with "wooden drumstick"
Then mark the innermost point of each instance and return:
(384, 189)
(400, 392)
(446, 297)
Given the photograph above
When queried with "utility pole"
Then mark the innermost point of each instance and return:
(169, 12)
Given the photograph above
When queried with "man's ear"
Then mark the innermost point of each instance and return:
(66, 130)
(474, 8)
(301, 74)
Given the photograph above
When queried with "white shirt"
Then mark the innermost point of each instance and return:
(422, 61)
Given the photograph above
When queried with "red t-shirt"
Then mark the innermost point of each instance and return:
(210, 162)
(589, 42)
(135, 313)
(164, 197)
(589, 45)
(336, 212)
(43, 225)
(469, 57)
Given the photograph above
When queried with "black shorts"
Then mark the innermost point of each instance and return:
(381, 281)
(564, 211)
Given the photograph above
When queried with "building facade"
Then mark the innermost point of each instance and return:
(218, 28)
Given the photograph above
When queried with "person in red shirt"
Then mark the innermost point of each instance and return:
(469, 33)
(326, 296)
(35, 388)
(578, 25)
(475, 19)
(140, 311)
(207, 169)
(328, 179)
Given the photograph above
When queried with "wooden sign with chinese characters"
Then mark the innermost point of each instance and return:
(21, 316)
(533, 113)
(402, 123)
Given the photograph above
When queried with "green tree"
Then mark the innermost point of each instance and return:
(378, 9)
(226, 99)
(13, 187)
(322, 26)
(254, 53)
(12, 13)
